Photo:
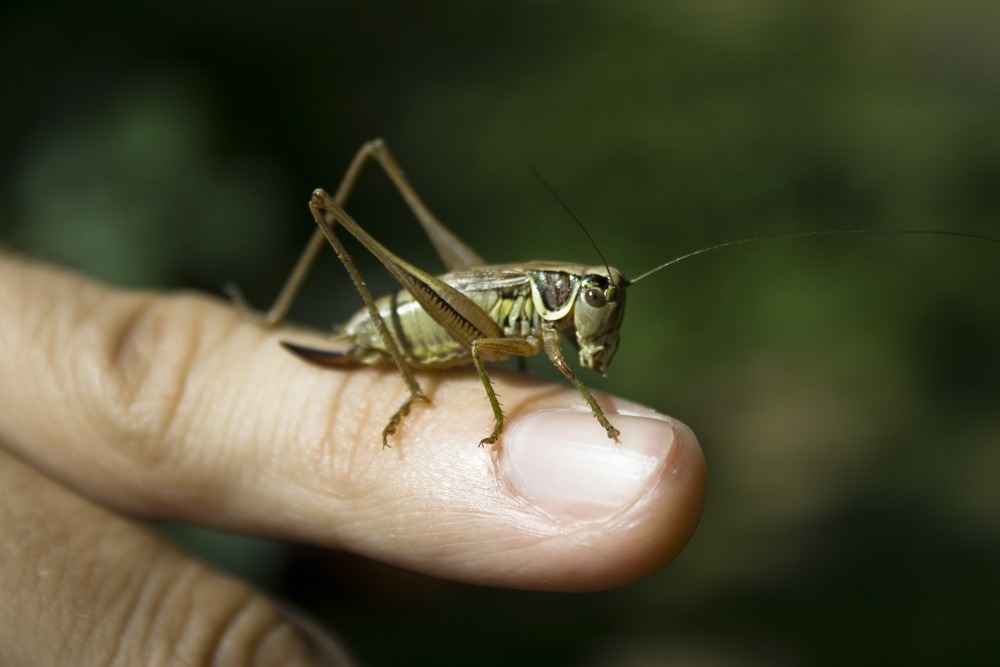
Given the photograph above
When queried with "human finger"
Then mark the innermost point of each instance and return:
(174, 406)
(82, 586)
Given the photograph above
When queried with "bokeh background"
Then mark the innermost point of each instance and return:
(846, 390)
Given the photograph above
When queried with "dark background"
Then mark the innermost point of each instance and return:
(845, 389)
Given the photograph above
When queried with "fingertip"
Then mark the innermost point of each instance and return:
(631, 507)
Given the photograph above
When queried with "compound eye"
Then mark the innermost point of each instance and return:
(594, 297)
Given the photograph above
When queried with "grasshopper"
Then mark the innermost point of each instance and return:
(477, 312)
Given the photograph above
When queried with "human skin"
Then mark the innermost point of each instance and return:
(118, 405)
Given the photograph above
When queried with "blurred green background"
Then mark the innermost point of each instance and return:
(845, 390)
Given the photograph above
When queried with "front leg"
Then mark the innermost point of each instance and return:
(554, 350)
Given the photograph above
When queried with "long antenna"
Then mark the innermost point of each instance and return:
(555, 195)
(822, 232)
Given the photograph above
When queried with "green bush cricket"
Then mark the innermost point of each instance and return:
(477, 312)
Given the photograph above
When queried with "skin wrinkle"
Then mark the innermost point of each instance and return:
(338, 463)
(241, 418)
(167, 603)
(256, 646)
(253, 626)
(273, 641)
(441, 551)
(123, 640)
(161, 398)
(123, 599)
(171, 358)
(500, 549)
(331, 426)
(347, 445)
(124, 354)
(127, 611)
(175, 606)
(43, 329)
(84, 565)
(215, 649)
(184, 616)
(146, 403)
(62, 559)
(259, 625)
(83, 319)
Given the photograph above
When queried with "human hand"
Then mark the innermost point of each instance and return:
(160, 406)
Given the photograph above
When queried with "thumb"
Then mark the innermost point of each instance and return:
(174, 406)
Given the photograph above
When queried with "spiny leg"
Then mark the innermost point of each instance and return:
(454, 253)
(506, 347)
(326, 227)
(397, 417)
(463, 318)
(554, 352)
(498, 416)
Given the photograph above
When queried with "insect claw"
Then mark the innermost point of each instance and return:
(492, 437)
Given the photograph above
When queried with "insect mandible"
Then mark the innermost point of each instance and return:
(477, 312)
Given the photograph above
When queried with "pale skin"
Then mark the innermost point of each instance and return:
(118, 405)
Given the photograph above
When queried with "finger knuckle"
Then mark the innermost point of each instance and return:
(144, 387)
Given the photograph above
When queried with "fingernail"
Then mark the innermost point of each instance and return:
(564, 462)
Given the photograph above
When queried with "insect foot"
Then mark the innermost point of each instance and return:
(397, 418)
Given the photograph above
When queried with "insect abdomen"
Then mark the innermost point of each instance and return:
(424, 343)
